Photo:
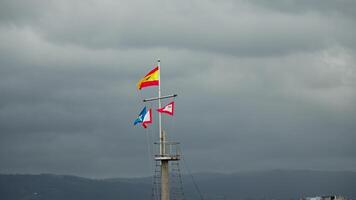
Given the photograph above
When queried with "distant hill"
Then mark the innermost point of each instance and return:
(275, 184)
(56, 187)
(278, 184)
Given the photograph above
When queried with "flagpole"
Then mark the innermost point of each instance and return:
(159, 106)
(164, 163)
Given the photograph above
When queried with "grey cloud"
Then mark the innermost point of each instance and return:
(258, 88)
(218, 28)
(327, 7)
(248, 36)
(20, 12)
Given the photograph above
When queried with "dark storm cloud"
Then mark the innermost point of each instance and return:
(224, 33)
(260, 85)
(228, 28)
(56, 103)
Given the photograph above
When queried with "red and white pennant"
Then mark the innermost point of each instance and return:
(168, 109)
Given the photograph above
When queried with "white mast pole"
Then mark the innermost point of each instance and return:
(161, 136)
(164, 163)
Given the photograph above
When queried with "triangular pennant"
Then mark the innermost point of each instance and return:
(140, 117)
(168, 109)
(147, 119)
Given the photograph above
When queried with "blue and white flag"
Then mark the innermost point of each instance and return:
(145, 117)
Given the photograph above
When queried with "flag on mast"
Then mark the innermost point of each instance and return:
(144, 118)
(151, 79)
(147, 119)
(168, 109)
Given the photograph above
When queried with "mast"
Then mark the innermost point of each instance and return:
(161, 135)
(164, 163)
(168, 151)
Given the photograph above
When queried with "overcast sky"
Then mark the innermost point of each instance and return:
(261, 84)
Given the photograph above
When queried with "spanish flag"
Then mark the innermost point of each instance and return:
(151, 79)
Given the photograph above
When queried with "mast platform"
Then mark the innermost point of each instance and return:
(167, 151)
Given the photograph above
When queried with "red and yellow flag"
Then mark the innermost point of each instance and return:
(151, 79)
